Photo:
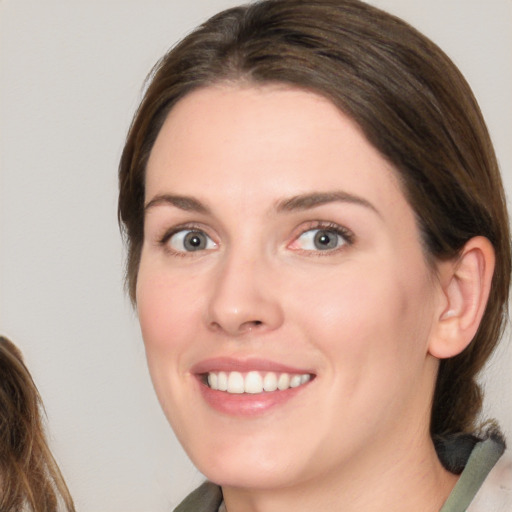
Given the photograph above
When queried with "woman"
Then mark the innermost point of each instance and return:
(29, 476)
(318, 251)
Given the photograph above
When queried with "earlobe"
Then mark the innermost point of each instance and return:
(465, 285)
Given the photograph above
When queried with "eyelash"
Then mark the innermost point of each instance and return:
(163, 240)
(347, 236)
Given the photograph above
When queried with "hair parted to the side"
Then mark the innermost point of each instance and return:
(411, 102)
(30, 479)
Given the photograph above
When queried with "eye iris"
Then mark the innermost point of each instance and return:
(194, 241)
(325, 240)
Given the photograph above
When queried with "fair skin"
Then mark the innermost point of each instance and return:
(277, 241)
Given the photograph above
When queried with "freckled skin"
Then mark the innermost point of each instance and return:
(359, 316)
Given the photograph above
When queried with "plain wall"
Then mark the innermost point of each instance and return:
(71, 77)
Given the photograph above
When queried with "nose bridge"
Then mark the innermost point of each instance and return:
(241, 299)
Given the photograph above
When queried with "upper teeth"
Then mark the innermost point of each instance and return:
(255, 382)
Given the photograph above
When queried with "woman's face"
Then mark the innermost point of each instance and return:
(282, 264)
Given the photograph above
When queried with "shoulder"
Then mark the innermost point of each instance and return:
(496, 492)
(206, 498)
(484, 482)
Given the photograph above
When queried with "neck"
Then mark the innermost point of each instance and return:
(398, 476)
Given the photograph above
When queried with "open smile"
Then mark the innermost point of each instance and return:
(249, 387)
(254, 382)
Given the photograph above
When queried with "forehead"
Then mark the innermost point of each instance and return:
(264, 141)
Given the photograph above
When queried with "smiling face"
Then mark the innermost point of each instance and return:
(283, 296)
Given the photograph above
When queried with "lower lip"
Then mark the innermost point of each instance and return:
(247, 404)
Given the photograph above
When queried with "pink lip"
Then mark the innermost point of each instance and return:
(245, 405)
(228, 364)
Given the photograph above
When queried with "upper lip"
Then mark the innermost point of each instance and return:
(229, 364)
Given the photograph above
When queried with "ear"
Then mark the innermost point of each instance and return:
(465, 287)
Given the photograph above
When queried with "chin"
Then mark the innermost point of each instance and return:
(247, 467)
(247, 475)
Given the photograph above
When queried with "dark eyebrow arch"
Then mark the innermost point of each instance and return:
(311, 200)
(186, 203)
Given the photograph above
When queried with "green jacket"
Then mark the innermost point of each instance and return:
(476, 461)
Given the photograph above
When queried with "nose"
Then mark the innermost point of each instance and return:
(244, 297)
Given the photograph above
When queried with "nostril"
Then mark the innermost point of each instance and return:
(249, 326)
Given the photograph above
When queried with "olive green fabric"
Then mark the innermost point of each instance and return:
(206, 498)
(483, 457)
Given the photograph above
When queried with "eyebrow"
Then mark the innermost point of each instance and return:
(314, 199)
(299, 202)
(186, 203)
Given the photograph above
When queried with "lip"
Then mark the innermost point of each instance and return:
(228, 364)
(246, 405)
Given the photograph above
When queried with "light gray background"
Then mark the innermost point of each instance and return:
(71, 77)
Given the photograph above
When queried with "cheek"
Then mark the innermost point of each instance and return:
(164, 306)
(165, 318)
(366, 313)
(168, 321)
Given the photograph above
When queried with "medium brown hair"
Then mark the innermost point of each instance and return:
(413, 105)
(30, 479)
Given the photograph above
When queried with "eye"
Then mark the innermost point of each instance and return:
(190, 240)
(321, 239)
